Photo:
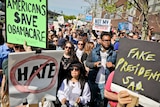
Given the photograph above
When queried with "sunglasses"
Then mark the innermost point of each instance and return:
(55, 40)
(72, 68)
(67, 47)
(80, 43)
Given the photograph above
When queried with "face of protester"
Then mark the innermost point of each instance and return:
(99, 40)
(60, 34)
(68, 48)
(75, 72)
(80, 45)
(135, 36)
(115, 37)
(55, 41)
(106, 41)
(74, 35)
(50, 36)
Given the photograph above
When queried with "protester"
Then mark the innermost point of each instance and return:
(61, 39)
(74, 89)
(50, 37)
(55, 43)
(101, 62)
(80, 49)
(115, 41)
(108, 93)
(84, 37)
(68, 57)
(98, 41)
(93, 39)
(87, 50)
(5, 49)
(4, 87)
(136, 35)
(74, 38)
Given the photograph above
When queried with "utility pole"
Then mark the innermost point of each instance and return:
(95, 11)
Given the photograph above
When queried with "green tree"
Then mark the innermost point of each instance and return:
(142, 6)
(71, 17)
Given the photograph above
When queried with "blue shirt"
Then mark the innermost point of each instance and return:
(4, 51)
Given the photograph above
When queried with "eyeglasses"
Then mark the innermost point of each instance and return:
(80, 43)
(76, 69)
(106, 40)
(67, 47)
(55, 40)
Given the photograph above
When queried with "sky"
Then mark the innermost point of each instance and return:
(69, 7)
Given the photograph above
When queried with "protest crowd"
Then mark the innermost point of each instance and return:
(86, 68)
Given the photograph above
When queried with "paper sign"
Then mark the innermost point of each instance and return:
(26, 20)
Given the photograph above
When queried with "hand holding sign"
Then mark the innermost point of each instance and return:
(124, 98)
(26, 48)
(137, 70)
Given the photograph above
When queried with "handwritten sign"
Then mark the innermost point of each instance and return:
(101, 24)
(137, 67)
(33, 76)
(26, 20)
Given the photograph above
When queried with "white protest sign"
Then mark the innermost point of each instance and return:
(60, 19)
(33, 76)
(101, 24)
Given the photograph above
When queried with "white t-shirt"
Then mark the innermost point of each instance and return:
(100, 78)
(79, 53)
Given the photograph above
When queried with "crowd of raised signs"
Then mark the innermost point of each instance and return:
(95, 51)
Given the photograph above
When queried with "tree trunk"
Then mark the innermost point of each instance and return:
(145, 27)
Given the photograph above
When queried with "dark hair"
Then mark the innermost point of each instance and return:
(83, 34)
(105, 34)
(73, 56)
(81, 78)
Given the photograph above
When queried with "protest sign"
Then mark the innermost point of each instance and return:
(33, 76)
(138, 70)
(26, 20)
(101, 24)
(123, 26)
(89, 18)
(60, 19)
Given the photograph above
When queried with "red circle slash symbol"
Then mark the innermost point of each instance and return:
(24, 88)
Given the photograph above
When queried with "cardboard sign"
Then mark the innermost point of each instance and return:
(138, 70)
(33, 76)
(26, 20)
(101, 24)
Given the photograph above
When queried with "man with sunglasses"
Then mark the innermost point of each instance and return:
(101, 62)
